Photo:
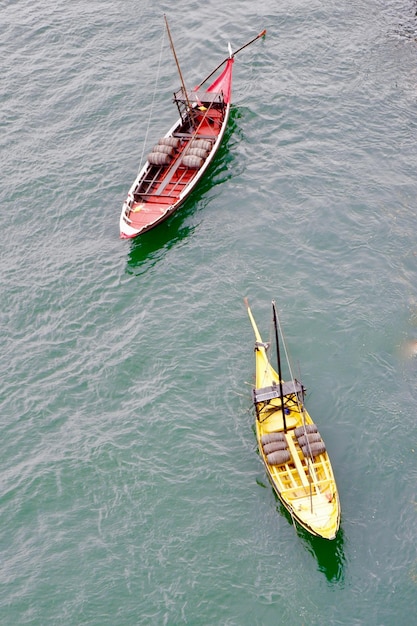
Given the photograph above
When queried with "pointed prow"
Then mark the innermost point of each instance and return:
(252, 320)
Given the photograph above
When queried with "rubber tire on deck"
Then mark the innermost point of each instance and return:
(278, 458)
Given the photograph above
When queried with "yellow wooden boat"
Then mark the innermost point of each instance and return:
(290, 445)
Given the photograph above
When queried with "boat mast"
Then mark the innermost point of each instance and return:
(189, 107)
(281, 394)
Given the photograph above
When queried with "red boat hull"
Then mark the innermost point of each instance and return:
(164, 183)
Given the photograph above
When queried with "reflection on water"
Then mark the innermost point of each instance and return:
(148, 248)
(328, 554)
(409, 349)
(407, 27)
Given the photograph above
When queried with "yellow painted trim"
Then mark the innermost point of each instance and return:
(297, 462)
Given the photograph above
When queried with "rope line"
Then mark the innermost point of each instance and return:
(287, 358)
(153, 99)
(310, 469)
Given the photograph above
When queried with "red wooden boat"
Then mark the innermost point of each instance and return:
(181, 157)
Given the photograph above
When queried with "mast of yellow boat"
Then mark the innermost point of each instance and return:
(281, 393)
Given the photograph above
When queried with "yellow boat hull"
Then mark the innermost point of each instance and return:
(299, 470)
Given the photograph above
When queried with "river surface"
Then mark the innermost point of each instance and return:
(131, 490)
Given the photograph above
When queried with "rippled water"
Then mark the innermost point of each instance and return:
(131, 491)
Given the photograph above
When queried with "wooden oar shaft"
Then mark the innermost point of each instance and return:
(262, 34)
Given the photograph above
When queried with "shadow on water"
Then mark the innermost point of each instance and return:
(328, 554)
(407, 27)
(147, 249)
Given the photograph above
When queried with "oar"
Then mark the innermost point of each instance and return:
(262, 34)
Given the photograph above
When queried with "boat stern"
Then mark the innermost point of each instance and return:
(126, 231)
(320, 515)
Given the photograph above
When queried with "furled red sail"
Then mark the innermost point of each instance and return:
(224, 82)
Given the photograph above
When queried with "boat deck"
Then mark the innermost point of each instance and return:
(306, 486)
(162, 186)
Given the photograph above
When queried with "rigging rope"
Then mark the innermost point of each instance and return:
(310, 468)
(153, 99)
(284, 345)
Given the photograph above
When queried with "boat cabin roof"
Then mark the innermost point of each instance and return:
(198, 97)
(269, 393)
